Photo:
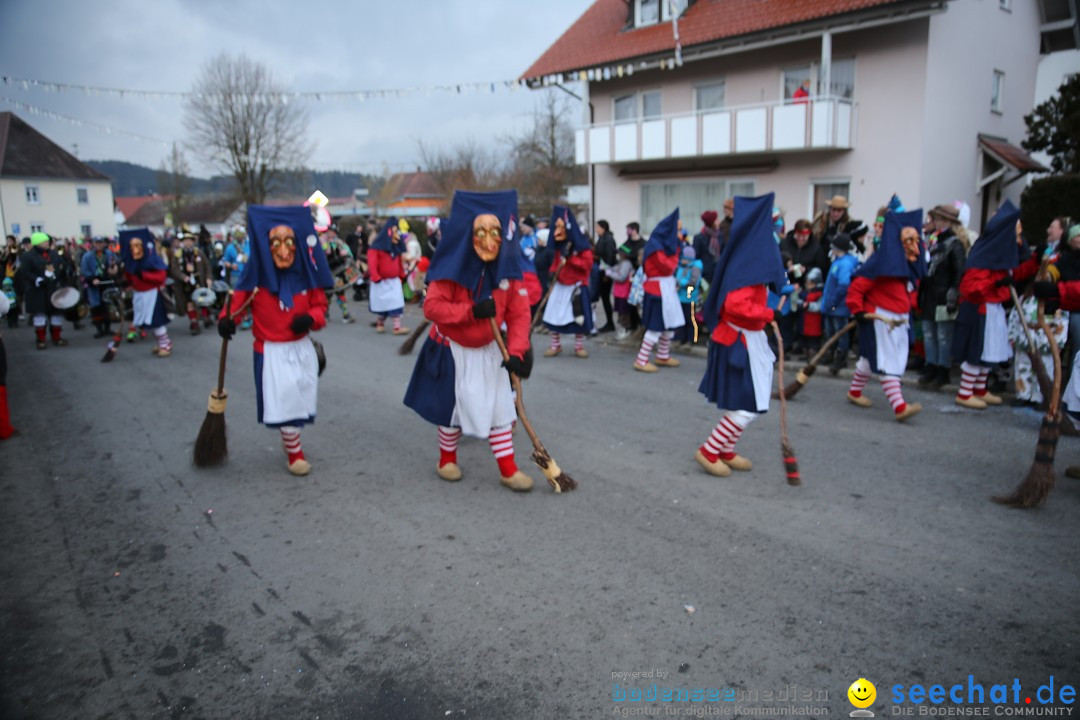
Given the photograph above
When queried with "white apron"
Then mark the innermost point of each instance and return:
(761, 365)
(386, 295)
(559, 310)
(669, 299)
(483, 398)
(996, 347)
(892, 343)
(290, 380)
(142, 303)
(1071, 396)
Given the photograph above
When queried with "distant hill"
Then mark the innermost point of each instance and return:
(129, 179)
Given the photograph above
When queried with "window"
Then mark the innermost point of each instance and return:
(692, 198)
(37, 227)
(797, 84)
(1005, 5)
(628, 108)
(709, 97)
(32, 197)
(84, 230)
(82, 196)
(646, 12)
(667, 7)
(998, 90)
(842, 79)
(826, 190)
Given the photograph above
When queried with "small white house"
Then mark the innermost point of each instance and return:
(45, 188)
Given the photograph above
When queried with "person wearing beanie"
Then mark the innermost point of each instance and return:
(387, 299)
(283, 288)
(661, 312)
(460, 382)
(881, 287)
(40, 269)
(834, 298)
(688, 284)
(568, 309)
(145, 272)
(739, 369)
(707, 243)
(982, 332)
(528, 262)
(100, 271)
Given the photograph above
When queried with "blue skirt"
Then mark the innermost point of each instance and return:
(868, 344)
(969, 334)
(431, 388)
(652, 313)
(298, 422)
(585, 328)
(728, 382)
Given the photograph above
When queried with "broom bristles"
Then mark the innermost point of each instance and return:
(801, 378)
(558, 480)
(210, 446)
(1039, 481)
(791, 464)
(109, 355)
(407, 346)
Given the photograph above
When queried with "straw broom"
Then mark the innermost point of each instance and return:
(1040, 477)
(558, 480)
(114, 344)
(791, 463)
(543, 300)
(410, 342)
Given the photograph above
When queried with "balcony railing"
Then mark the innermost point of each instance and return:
(820, 124)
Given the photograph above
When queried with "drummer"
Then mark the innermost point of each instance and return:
(39, 270)
(100, 271)
(190, 271)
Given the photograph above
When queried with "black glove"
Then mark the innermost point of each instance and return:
(1005, 281)
(567, 249)
(861, 317)
(515, 365)
(1044, 290)
(301, 323)
(484, 309)
(952, 300)
(226, 328)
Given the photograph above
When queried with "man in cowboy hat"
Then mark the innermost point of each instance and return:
(836, 219)
(939, 293)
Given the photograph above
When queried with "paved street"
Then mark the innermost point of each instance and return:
(134, 586)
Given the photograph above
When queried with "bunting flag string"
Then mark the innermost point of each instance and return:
(42, 112)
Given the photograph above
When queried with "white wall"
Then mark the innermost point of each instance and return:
(967, 44)
(58, 209)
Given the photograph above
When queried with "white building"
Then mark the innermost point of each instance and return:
(924, 98)
(45, 188)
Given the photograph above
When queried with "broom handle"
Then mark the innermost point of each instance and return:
(224, 349)
(780, 379)
(543, 300)
(515, 381)
(1055, 393)
(830, 342)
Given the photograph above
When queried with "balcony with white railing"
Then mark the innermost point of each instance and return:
(820, 124)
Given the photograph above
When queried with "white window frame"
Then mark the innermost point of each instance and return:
(36, 190)
(38, 226)
(997, 93)
(638, 22)
(88, 226)
(815, 78)
(709, 83)
(639, 105)
(665, 9)
(86, 191)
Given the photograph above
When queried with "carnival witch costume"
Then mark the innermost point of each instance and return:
(386, 271)
(661, 311)
(568, 309)
(284, 284)
(145, 272)
(982, 331)
(739, 371)
(881, 287)
(459, 382)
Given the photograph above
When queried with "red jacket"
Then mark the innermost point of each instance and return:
(577, 268)
(745, 308)
(147, 280)
(659, 265)
(888, 293)
(381, 266)
(271, 322)
(449, 307)
(812, 320)
(979, 286)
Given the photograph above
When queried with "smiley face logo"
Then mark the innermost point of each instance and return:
(862, 693)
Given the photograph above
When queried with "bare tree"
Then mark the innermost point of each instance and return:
(542, 157)
(241, 120)
(463, 167)
(174, 181)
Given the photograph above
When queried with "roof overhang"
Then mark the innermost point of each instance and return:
(853, 22)
(1012, 162)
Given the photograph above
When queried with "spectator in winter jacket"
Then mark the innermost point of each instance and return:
(834, 297)
(805, 251)
(605, 258)
(688, 283)
(835, 219)
(707, 243)
(810, 300)
(939, 293)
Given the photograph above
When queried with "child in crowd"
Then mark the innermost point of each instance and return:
(811, 313)
(620, 276)
(688, 282)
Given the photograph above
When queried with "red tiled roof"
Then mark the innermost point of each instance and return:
(601, 35)
(407, 185)
(128, 206)
(1011, 154)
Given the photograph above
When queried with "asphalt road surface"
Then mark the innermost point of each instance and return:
(135, 586)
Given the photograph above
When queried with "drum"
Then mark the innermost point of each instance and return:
(204, 297)
(65, 298)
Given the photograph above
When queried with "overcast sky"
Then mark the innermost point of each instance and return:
(332, 45)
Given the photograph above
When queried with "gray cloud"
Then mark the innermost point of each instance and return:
(162, 45)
